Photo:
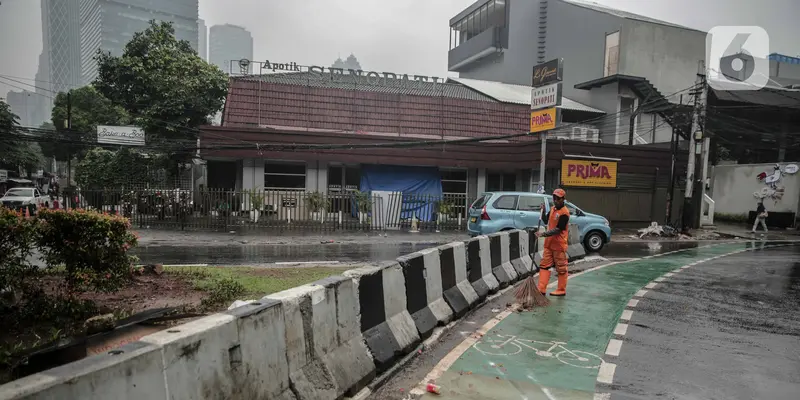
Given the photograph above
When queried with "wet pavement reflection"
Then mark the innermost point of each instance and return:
(346, 252)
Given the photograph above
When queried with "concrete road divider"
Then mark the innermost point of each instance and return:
(457, 291)
(518, 253)
(424, 297)
(502, 269)
(260, 368)
(479, 267)
(326, 355)
(199, 357)
(386, 325)
(575, 249)
(131, 372)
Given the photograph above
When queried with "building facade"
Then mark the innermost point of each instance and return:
(228, 43)
(108, 25)
(28, 106)
(613, 60)
(331, 131)
(202, 39)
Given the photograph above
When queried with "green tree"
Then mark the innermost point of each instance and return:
(164, 85)
(15, 151)
(87, 108)
(106, 169)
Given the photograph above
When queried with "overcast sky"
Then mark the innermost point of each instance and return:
(408, 36)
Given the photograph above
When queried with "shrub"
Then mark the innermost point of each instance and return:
(17, 274)
(90, 246)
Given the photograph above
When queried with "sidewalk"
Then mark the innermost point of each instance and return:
(151, 237)
(743, 231)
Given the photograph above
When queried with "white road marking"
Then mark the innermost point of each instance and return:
(641, 293)
(669, 274)
(606, 373)
(633, 303)
(621, 329)
(626, 315)
(651, 285)
(306, 262)
(686, 267)
(602, 396)
(660, 279)
(614, 346)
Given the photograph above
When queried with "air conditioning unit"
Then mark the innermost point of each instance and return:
(585, 134)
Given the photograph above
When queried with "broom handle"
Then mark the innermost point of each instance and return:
(536, 245)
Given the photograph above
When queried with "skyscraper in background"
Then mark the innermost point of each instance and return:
(74, 30)
(202, 39)
(227, 43)
(109, 25)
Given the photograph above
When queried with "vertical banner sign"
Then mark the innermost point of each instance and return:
(589, 173)
(546, 96)
(547, 73)
(545, 99)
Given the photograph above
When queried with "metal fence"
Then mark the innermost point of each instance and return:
(272, 210)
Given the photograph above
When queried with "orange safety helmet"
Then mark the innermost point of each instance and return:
(560, 193)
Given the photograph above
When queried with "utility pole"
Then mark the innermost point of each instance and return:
(691, 212)
(68, 123)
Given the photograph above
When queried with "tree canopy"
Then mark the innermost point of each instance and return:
(163, 84)
(15, 152)
(89, 108)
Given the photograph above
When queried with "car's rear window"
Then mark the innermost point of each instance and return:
(506, 202)
(481, 201)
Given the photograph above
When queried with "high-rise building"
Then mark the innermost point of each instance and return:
(28, 106)
(61, 53)
(202, 39)
(229, 43)
(108, 25)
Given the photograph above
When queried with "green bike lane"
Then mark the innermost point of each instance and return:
(519, 357)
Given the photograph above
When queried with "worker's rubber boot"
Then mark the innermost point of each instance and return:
(561, 290)
(544, 279)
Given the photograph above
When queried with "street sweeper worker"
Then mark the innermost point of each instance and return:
(556, 237)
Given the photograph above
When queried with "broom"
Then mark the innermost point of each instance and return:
(528, 294)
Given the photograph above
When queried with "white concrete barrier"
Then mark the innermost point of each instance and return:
(456, 290)
(424, 296)
(133, 372)
(479, 267)
(499, 245)
(386, 325)
(519, 254)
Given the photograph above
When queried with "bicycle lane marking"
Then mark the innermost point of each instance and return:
(584, 321)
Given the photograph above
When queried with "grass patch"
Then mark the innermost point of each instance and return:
(225, 284)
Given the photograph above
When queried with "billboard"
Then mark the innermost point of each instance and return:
(546, 96)
(544, 120)
(120, 135)
(547, 73)
(588, 173)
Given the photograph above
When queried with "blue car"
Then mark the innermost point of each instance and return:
(501, 211)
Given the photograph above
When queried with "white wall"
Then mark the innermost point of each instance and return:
(252, 174)
(734, 185)
(317, 176)
(665, 55)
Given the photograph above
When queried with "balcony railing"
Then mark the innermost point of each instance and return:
(482, 45)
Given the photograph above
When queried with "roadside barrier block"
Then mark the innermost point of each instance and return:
(424, 295)
(518, 252)
(386, 324)
(322, 363)
(263, 372)
(502, 269)
(458, 293)
(479, 267)
(199, 357)
(132, 372)
(349, 361)
(575, 248)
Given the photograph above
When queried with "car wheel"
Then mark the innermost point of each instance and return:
(594, 241)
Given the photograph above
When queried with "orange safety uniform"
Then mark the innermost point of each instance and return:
(555, 251)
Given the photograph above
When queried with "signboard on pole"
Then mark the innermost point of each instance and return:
(120, 135)
(589, 173)
(546, 96)
(547, 73)
(544, 120)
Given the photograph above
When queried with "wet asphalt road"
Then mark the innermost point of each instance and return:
(726, 329)
(265, 254)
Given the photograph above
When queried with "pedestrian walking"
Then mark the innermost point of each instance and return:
(761, 217)
(555, 244)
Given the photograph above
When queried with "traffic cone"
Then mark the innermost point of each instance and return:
(27, 212)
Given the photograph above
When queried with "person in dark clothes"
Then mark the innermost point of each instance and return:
(761, 217)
